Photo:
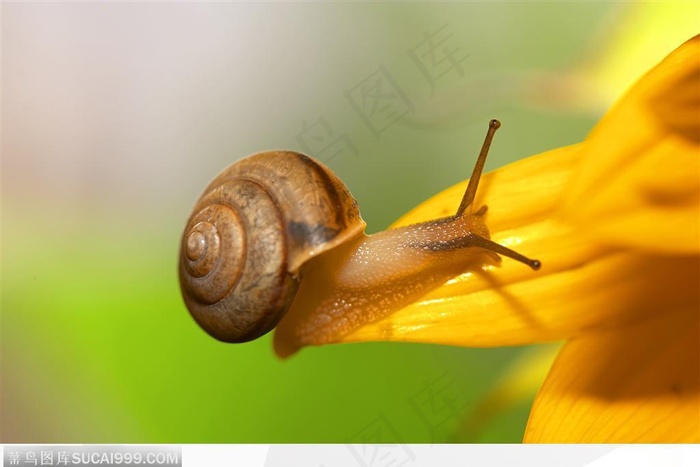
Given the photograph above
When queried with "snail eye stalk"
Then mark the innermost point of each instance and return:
(468, 201)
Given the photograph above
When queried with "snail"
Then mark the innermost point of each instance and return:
(278, 232)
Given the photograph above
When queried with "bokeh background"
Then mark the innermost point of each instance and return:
(115, 117)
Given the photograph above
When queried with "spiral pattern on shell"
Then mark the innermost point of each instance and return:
(250, 232)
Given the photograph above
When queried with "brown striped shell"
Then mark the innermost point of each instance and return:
(252, 229)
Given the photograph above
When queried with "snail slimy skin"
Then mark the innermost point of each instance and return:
(278, 233)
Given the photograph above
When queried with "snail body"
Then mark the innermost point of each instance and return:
(278, 232)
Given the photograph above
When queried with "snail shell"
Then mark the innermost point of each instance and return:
(250, 232)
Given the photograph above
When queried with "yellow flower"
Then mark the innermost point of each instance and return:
(615, 221)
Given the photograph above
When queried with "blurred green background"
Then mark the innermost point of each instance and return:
(115, 116)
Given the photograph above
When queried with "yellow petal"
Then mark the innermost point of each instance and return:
(590, 278)
(580, 286)
(636, 384)
(489, 311)
(638, 180)
(640, 37)
(521, 199)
